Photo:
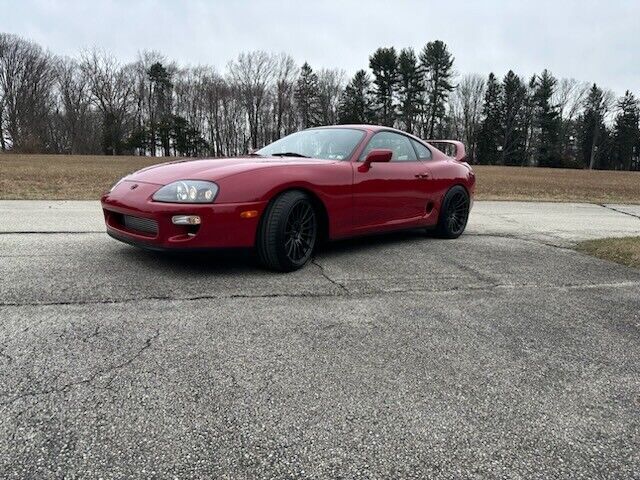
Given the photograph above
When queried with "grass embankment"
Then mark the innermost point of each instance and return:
(620, 250)
(64, 177)
(80, 177)
(556, 184)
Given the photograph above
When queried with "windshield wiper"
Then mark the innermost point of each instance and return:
(288, 154)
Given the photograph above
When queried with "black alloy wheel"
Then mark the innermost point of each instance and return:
(454, 213)
(288, 232)
(300, 232)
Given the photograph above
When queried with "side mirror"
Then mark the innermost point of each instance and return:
(376, 155)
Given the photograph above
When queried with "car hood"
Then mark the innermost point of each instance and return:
(213, 169)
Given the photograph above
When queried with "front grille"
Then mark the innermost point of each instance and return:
(138, 224)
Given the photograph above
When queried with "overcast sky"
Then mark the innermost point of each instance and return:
(596, 41)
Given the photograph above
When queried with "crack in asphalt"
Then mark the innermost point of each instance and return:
(327, 277)
(608, 207)
(85, 381)
(564, 245)
(348, 294)
(169, 298)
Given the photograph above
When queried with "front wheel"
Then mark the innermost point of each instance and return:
(454, 213)
(288, 232)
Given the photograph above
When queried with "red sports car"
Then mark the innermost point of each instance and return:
(317, 184)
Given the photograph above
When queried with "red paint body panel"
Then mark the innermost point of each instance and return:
(385, 197)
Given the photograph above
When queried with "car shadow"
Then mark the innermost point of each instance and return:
(225, 261)
(373, 241)
(235, 261)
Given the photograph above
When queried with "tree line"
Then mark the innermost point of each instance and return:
(96, 104)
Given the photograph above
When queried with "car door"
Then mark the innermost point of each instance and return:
(391, 193)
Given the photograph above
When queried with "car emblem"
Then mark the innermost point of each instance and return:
(134, 186)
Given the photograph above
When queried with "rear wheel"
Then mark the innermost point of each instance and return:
(454, 213)
(288, 232)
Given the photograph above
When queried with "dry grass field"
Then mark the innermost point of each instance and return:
(87, 177)
(63, 177)
(555, 184)
(620, 250)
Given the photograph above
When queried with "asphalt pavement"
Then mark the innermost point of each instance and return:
(502, 354)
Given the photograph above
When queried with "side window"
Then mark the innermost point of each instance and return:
(398, 144)
(423, 152)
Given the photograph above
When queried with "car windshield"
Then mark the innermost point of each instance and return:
(323, 143)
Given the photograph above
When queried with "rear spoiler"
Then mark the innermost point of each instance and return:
(460, 151)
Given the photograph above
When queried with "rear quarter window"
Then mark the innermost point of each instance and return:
(422, 151)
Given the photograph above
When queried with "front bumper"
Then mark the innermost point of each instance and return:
(221, 225)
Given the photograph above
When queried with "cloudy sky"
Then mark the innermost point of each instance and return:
(596, 41)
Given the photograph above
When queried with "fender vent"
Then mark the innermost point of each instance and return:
(138, 224)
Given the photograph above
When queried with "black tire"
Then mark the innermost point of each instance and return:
(288, 232)
(454, 213)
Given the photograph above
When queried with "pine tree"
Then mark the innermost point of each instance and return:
(307, 95)
(411, 88)
(384, 65)
(489, 136)
(437, 63)
(626, 133)
(513, 125)
(592, 127)
(355, 104)
(547, 121)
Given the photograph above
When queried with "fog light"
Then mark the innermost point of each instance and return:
(186, 220)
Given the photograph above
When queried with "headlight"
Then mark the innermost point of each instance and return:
(187, 191)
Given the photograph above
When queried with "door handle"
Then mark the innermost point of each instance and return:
(424, 175)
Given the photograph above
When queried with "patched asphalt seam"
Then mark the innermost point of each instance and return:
(168, 298)
(372, 293)
(474, 273)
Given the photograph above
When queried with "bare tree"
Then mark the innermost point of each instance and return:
(569, 96)
(252, 74)
(77, 120)
(112, 88)
(466, 105)
(609, 102)
(284, 112)
(26, 92)
(331, 83)
(234, 121)
(214, 89)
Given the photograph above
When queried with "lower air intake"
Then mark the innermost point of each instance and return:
(138, 224)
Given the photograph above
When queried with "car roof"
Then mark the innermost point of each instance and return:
(379, 128)
(362, 126)
(374, 129)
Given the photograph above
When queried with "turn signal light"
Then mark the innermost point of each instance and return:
(249, 214)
